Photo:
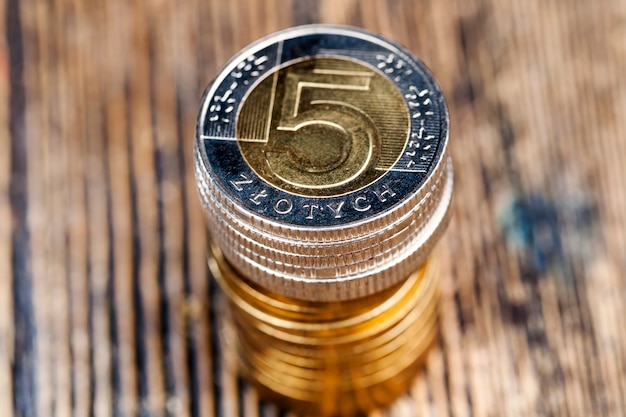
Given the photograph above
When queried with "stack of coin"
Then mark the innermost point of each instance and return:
(321, 163)
(330, 358)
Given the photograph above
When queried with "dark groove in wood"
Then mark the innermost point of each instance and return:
(595, 384)
(115, 379)
(164, 313)
(70, 329)
(24, 365)
(467, 91)
(507, 136)
(90, 316)
(446, 372)
(459, 308)
(216, 351)
(241, 387)
(90, 286)
(138, 309)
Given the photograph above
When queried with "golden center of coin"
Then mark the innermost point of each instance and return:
(323, 127)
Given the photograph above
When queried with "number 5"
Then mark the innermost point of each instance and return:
(322, 138)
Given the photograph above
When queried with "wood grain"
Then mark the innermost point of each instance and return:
(106, 305)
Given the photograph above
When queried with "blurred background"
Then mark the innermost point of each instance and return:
(105, 301)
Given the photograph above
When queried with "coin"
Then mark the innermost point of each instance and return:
(321, 161)
(320, 366)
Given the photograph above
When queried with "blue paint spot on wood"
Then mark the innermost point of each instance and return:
(549, 233)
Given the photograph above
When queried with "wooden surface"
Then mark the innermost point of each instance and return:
(105, 302)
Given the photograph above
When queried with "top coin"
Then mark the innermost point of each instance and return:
(321, 126)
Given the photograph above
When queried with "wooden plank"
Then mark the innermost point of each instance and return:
(106, 308)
